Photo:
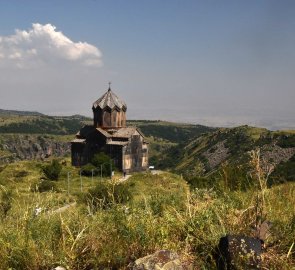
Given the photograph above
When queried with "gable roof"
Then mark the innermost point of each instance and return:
(104, 132)
(124, 132)
(116, 134)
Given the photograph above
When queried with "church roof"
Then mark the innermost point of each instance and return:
(119, 135)
(104, 132)
(110, 100)
(121, 143)
(126, 132)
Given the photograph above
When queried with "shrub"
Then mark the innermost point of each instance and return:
(201, 182)
(104, 162)
(87, 170)
(43, 186)
(286, 141)
(5, 202)
(52, 171)
(283, 172)
(21, 174)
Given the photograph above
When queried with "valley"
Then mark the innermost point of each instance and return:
(213, 181)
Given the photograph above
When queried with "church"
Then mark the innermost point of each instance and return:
(126, 146)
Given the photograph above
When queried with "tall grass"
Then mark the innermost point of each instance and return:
(162, 213)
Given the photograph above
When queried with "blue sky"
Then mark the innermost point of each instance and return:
(218, 63)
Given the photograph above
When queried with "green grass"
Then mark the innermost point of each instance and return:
(255, 132)
(143, 186)
(284, 132)
(161, 213)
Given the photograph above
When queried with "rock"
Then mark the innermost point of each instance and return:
(160, 260)
(238, 252)
(20, 147)
(216, 154)
(59, 268)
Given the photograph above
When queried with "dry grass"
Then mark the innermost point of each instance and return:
(163, 213)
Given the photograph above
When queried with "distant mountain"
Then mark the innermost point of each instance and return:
(21, 113)
(169, 131)
(38, 123)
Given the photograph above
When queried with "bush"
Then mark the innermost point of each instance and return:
(283, 172)
(43, 186)
(87, 170)
(53, 170)
(201, 182)
(5, 202)
(103, 161)
(286, 141)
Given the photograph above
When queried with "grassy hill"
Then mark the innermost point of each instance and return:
(165, 136)
(221, 187)
(109, 224)
(40, 124)
(194, 151)
(173, 132)
(19, 113)
(227, 150)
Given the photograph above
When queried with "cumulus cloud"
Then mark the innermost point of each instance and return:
(44, 45)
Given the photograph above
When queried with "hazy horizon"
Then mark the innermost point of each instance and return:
(203, 62)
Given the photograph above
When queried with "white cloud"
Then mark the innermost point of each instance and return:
(44, 45)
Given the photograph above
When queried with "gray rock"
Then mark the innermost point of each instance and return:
(59, 268)
(160, 260)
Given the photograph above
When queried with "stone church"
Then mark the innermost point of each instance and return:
(126, 146)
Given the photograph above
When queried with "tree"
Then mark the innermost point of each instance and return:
(104, 162)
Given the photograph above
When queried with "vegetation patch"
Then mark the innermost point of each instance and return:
(53, 170)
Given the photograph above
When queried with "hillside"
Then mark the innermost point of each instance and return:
(191, 150)
(209, 154)
(20, 113)
(84, 223)
(81, 222)
(40, 124)
(173, 132)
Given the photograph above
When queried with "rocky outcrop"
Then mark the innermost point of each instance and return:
(274, 154)
(16, 147)
(161, 260)
(216, 154)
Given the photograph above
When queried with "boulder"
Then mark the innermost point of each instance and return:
(160, 260)
(59, 268)
(238, 252)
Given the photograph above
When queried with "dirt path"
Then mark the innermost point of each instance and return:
(123, 179)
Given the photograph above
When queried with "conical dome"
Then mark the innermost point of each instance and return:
(110, 100)
(109, 111)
